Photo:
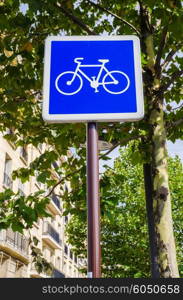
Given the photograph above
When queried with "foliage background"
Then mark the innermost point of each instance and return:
(23, 31)
(125, 245)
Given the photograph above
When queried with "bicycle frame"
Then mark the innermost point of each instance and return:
(102, 67)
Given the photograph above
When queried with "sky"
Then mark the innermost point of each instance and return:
(176, 149)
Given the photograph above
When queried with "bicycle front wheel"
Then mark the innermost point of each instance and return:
(116, 82)
(65, 84)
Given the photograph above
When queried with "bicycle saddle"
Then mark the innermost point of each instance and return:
(103, 60)
(78, 58)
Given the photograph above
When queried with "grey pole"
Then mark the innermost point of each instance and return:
(93, 202)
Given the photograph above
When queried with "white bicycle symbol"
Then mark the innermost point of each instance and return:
(70, 83)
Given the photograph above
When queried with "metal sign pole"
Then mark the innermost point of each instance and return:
(93, 203)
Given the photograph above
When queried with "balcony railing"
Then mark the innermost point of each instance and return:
(16, 240)
(49, 230)
(35, 274)
(7, 180)
(56, 200)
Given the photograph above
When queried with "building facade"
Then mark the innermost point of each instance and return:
(15, 251)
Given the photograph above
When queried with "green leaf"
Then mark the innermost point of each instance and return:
(17, 226)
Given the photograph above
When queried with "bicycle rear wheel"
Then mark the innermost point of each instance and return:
(119, 85)
(66, 86)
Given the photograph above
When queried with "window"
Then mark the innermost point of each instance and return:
(52, 253)
(7, 172)
(38, 183)
(66, 219)
(58, 266)
(40, 147)
(24, 154)
(44, 250)
(71, 254)
(55, 165)
(53, 220)
(70, 271)
(10, 137)
(75, 273)
(66, 188)
(75, 259)
(66, 249)
(64, 267)
(59, 229)
(9, 131)
(21, 188)
(56, 200)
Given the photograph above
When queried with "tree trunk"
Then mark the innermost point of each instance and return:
(165, 243)
(150, 220)
(162, 216)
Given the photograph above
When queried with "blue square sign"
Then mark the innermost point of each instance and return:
(92, 78)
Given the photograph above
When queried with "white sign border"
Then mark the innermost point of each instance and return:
(98, 117)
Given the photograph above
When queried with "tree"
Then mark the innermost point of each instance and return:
(125, 247)
(159, 27)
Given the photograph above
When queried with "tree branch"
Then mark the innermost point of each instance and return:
(100, 157)
(157, 66)
(19, 99)
(119, 143)
(110, 150)
(170, 56)
(174, 124)
(146, 26)
(75, 19)
(178, 122)
(174, 76)
(61, 181)
(114, 15)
